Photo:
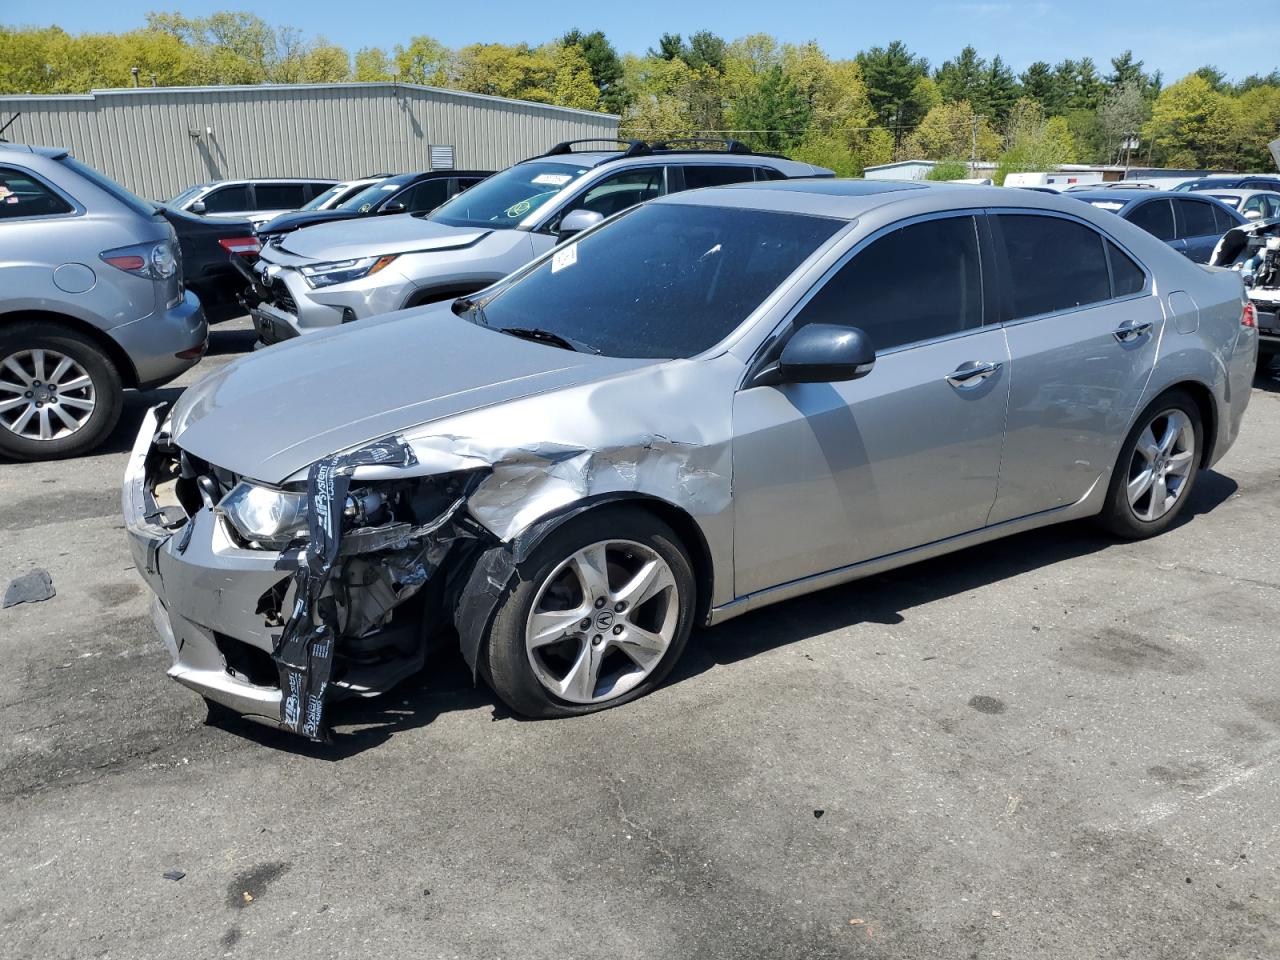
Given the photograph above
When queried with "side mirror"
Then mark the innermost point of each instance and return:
(821, 353)
(1253, 214)
(395, 206)
(198, 207)
(575, 221)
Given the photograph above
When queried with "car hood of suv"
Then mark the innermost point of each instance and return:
(376, 237)
(272, 414)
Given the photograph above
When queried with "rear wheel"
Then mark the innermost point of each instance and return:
(599, 617)
(60, 395)
(1156, 470)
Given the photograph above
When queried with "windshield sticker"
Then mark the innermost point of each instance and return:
(552, 179)
(565, 257)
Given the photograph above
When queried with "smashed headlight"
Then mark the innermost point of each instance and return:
(343, 271)
(265, 515)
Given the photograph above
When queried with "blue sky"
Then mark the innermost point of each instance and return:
(1175, 36)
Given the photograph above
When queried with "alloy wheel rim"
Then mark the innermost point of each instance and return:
(44, 395)
(602, 621)
(1161, 465)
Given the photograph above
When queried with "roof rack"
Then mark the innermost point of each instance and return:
(728, 145)
(634, 148)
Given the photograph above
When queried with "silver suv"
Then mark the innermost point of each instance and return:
(330, 274)
(91, 302)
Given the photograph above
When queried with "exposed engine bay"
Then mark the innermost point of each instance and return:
(1254, 251)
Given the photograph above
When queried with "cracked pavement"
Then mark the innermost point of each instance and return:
(1054, 745)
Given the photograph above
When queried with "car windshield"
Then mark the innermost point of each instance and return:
(508, 197)
(106, 184)
(315, 203)
(372, 197)
(1230, 201)
(184, 196)
(663, 281)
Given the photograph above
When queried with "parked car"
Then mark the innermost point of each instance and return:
(1231, 181)
(340, 192)
(254, 200)
(715, 401)
(335, 273)
(1254, 251)
(91, 302)
(1189, 224)
(406, 193)
(208, 245)
(1252, 204)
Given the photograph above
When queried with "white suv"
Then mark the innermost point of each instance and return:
(254, 200)
(329, 274)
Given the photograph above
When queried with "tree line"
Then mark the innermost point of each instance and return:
(885, 103)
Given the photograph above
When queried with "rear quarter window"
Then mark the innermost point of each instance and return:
(21, 195)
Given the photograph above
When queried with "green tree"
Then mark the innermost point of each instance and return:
(963, 78)
(1123, 112)
(898, 86)
(953, 131)
(773, 116)
(1216, 79)
(1034, 143)
(423, 60)
(706, 50)
(605, 65)
(1038, 84)
(372, 65)
(1191, 121)
(999, 91)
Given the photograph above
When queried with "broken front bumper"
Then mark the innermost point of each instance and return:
(207, 594)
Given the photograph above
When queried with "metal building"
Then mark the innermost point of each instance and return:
(159, 140)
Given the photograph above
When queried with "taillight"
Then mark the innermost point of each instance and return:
(1249, 316)
(154, 261)
(243, 246)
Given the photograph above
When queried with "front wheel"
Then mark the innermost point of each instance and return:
(1156, 470)
(599, 615)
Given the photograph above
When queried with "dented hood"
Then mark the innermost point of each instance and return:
(374, 236)
(271, 414)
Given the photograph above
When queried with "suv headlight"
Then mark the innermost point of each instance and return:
(264, 515)
(343, 271)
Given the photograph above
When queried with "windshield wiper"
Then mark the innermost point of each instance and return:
(538, 335)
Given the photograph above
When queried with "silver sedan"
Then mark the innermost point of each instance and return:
(707, 404)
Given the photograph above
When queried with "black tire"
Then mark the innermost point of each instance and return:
(1118, 516)
(506, 664)
(107, 388)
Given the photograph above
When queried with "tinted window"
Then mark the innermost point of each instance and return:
(1197, 219)
(1155, 217)
(21, 196)
(332, 194)
(1054, 264)
(768, 173)
(622, 190)
(666, 280)
(109, 186)
(426, 196)
(227, 199)
(1126, 276)
(1223, 220)
(280, 196)
(916, 283)
(1261, 184)
(709, 176)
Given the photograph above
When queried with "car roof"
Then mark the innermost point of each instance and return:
(1131, 194)
(238, 180)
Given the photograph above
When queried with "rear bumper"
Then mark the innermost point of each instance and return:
(155, 342)
(1268, 329)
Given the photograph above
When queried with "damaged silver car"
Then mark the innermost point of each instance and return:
(1253, 250)
(709, 403)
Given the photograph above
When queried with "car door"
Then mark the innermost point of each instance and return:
(830, 474)
(1083, 329)
(1156, 217)
(1197, 228)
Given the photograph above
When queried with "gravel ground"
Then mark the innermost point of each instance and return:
(1053, 746)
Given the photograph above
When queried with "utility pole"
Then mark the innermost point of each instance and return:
(135, 72)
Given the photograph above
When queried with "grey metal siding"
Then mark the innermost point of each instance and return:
(158, 141)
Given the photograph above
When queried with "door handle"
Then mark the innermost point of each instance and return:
(1131, 330)
(972, 373)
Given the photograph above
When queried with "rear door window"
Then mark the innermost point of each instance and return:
(1197, 219)
(227, 199)
(1155, 217)
(710, 175)
(615, 194)
(279, 196)
(916, 283)
(1054, 264)
(21, 195)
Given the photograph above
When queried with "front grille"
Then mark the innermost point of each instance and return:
(282, 297)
